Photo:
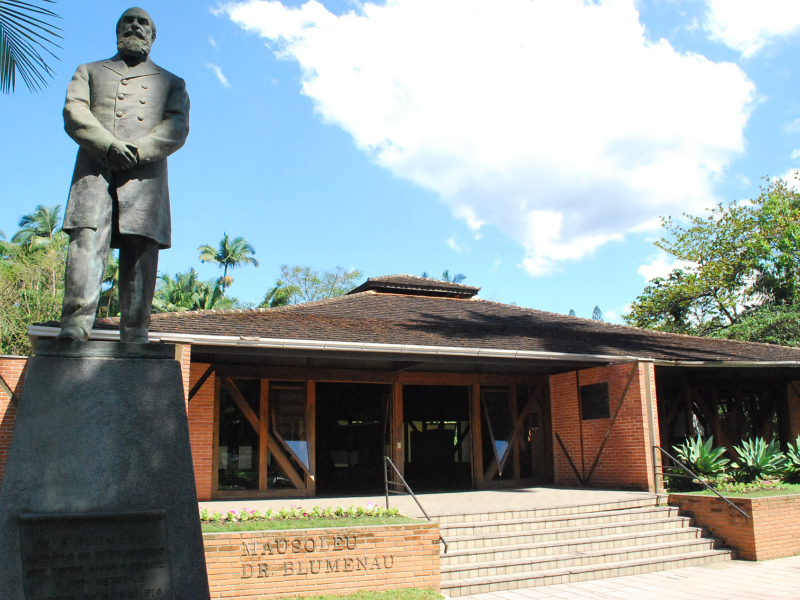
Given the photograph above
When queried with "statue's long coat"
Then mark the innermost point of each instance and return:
(146, 105)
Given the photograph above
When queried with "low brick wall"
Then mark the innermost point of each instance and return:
(772, 532)
(336, 560)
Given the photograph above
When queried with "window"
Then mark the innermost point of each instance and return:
(595, 402)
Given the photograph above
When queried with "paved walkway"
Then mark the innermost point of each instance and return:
(734, 580)
(449, 503)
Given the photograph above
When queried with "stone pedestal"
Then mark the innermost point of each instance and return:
(98, 499)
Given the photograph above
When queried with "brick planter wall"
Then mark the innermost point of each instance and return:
(773, 530)
(336, 560)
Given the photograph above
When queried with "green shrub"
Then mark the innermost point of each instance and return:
(701, 457)
(758, 460)
(792, 469)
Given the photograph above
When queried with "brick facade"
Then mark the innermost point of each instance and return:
(626, 460)
(770, 533)
(339, 560)
(12, 370)
(201, 429)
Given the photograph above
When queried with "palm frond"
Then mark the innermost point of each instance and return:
(24, 38)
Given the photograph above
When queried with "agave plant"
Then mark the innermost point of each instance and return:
(701, 457)
(758, 460)
(792, 469)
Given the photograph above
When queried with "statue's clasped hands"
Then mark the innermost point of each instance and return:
(122, 156)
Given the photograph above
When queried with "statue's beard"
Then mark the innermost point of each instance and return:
(134, 46)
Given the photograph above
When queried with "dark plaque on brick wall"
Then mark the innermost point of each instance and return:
(595, 402)
(103, 556)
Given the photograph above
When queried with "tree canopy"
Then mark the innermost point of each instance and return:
(740, 279)
(303, 284)
(186, 291)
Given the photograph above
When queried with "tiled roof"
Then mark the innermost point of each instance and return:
(390, 318)
(423, 286)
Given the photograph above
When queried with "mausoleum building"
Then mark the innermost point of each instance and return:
(461, 393)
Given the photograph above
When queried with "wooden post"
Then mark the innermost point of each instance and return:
(263, 435)
(398, 442)
(475, 427)
(512, 397)
(311, 432)
(215, 452)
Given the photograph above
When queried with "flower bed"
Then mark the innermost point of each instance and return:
(772, 531)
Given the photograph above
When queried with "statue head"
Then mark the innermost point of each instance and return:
(136, 33)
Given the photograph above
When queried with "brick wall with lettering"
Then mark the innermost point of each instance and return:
(339, 560)
(626, 459)
(201, 429)
(12, 369)
(772, 531)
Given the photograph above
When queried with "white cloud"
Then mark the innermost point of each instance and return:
(749, 25)
(795, 154)
(791, 126)
(556, 121)
(662, 266)
(791, 179)
(212, 41)
(220, 75)
(454, 244)
(744, 180)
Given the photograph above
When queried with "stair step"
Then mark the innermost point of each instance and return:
(654, 500)
(549, 535)
(479, 585)
(559, 521)
(575, 559)
(456, 556)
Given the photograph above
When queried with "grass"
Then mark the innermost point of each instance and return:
(406, 594)
(307, 524)
(789, 488)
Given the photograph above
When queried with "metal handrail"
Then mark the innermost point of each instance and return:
(692, 475)
(387, 462)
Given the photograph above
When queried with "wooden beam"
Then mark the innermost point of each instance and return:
(512, 399)
(477, 442)
(311, 432)
(258, 494)
(397, 453)
(569, 459)
(11, 395)
(215, 451)
(520, 421)
(243, 404)
(263, 436)
(287, 449)
(285, 464)
(196, 387)
(364, 376)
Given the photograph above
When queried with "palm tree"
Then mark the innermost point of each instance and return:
(24, 35)
(458, 278)
(230, 254)
(39, 228)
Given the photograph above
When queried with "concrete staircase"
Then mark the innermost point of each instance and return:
(495, 551)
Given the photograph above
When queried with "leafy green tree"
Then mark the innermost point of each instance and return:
(303, 284)
(571, 313)
(229, 254)
(742, 278)
(31, 291)
(25, 34)
(186, 291)
(40, 228)
(597, 314)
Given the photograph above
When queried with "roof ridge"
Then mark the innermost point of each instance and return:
(255, 310)
(421, 279)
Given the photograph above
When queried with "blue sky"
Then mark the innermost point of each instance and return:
(530, 144)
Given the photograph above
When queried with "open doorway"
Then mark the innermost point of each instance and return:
(437, 437)
(352, 437)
